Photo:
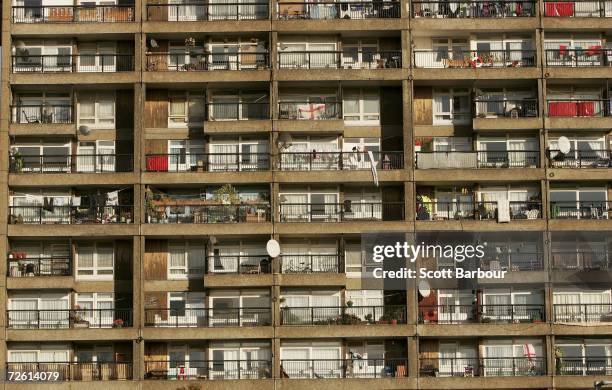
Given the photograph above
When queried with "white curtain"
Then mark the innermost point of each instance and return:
(223, 157)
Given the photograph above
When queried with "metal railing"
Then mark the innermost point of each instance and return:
(45, 113)
(238, 264)
(435, 211)
(577, 9)
(596, 209)
(478, 159)
(488, 367)
(577, 58)
(338, 10)
(343, 315)
(67, 214)
(578, 107)
(580, 260)
(356, 367)
(211, 317)
(506, 108)
(585, 312)
(583, 366)
(310, 263)
(77, 163)
(475, 59)
(337, 212)
(341, 160)
(514, 261)
(176, 62)
(213, 213)
(580, 159)
(209, 369)
(62, 63)
(340, 59)
(69, 371)
(199, 11)
(309, 110)
(458, 314)
(473, 9)
(73, 14)
(73, 318)
(221, 111)
(208, 162)
(39, 266)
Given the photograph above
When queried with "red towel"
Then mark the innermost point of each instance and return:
(157, 163)
(562, 50)
(562, 109)
(593, 50)
(585, 108)
(559, 9)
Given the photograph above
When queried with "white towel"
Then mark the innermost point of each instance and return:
(503, 210)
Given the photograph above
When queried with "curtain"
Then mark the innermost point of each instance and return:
(223, 157)
(177, 261)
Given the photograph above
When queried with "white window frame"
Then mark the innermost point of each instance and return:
(95, 269)
(187, 98)
(361, 118)
(456, 118)
(97, 120)
(186, 247)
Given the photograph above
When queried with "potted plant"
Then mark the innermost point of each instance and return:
(369, 318)
(349, 303)
(536, 317)
(16, 160)
(118, 323)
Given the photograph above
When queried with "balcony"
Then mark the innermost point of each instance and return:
(42, 113)
(20, 266)
(432, 59)
(573, 108)
(340, 161)
(77, 163)
(483, 367)
(238, 264)
(65, 319)
(478, 159)
(237, 111)
(341, 212)
(73, 14)
(597, 209)
(73, 63)
(580, 260)
(349, 315)
(580, 159)
(208, 162)
(196, 11)
(192, 318)
(590, 313)
(173, 62)
(496, 314)
(67, 214)
(584, 366)
(506, 108)
(210, 369)
(340, 60)
(310, 263)
(442, 211)
(344, 368)
(473, 9)
(202, 213)
(309, 110)
(69, 371)
(579, 58)
(513, 261)
(330, 10)
(577, 9)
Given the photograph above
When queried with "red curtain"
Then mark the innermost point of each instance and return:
(157, 163)
(560, 9)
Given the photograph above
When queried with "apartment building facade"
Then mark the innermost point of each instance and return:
(150, 149)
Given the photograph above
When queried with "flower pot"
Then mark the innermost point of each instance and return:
(393, 322)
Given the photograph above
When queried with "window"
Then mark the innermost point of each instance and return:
(96, 156)
(95, 261)
(185, 259)
(42, 108)
(360, 53)
(96, 308)
(238, 106)
(245, 360)
(185, 109)
(44, 155)
(361, 107)
(97, 109)
(47, 55)
(97, 57)
(242, 154)
(185, 154)
(579, 202)
(451, 106)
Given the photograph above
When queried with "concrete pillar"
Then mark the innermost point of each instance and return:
(413, 356)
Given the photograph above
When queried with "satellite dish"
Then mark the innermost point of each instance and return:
(153, 43)
(20, 45)
(564, 145)
(284, 140)
(212, 240)
(424, 288)
(273, 248)
(84, 130)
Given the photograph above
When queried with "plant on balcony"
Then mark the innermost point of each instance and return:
(349, 303)
(16, 160)
(226, 194)
(190, 42)
(118, 323)
(485, 320)
(369, 318)
(536, 317)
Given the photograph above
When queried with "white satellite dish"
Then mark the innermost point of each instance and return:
(284, 140)
(564, 145)
(153, 43)
(273, 248)
(84, 130)
(424, 288)
(212, 240)
(20, 45)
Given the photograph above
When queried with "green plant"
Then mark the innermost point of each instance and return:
(349, 303)
(17, 160)
(369, 318)
(226, 194)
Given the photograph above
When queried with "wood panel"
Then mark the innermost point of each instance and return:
(156, 146)
(423, 108)
(123, 260)
(123, 111)
(155, 352)
(155, 300)
(428, 349)
(156, 109)
(156, 260)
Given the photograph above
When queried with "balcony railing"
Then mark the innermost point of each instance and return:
(340, 59)
(67, 214)
(578, 107)
(38, 266)
(211, 369)
(473, 9)
(578, 58)
(596, 209)
(338, 161)
(587, 365)
(580, 159)
(488, 367)
(344, 368)
(310, 263)
(177, 62)
(583, 313)
(337, 212)
(238, 264)
(506, 108)
(478, 159)
(190, 318)
(435, 211)
(63, 319)
(45, 113)
(208, 162)
(73, 14)
(500, 314)
(309, 110)
(577, 9)
(354, 315)
(219, 111)
(70, 371)
(181, 212)
(475, 59)
(581, 260)
(78, 163)
(76, 63)
(338, 10)
(512, 262)
(193, 11)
